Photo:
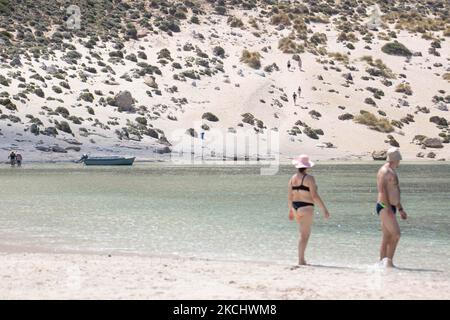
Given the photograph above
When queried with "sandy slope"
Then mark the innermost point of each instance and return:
(236, 91)
(78, 276)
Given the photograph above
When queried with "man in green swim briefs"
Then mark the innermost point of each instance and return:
(387, 204)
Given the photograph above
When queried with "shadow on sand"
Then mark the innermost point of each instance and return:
(361, 269)
(418, 270)
(330, 267)
(321, 266)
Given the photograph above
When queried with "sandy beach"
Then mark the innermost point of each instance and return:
(87, 276)
(214, 99)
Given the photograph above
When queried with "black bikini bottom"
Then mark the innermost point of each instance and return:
(300, 204)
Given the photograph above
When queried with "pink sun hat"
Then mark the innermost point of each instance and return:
(302, 161)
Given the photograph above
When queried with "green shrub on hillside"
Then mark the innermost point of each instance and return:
(210, 117)
(63, 126)
(396, 49)
(5, 7)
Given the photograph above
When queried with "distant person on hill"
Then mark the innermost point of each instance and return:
(289, 65)
(19, 159)
(299, 90)
(294, 96)
(388, 203)
(300, 63)
(12, 158)
(302, 195)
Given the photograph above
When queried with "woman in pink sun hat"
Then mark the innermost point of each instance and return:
(302, 195)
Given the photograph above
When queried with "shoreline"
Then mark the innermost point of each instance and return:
(95, 276)
(253, 162)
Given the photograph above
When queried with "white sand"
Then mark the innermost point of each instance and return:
(86, 276)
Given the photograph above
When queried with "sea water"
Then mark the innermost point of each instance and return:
(228, 212)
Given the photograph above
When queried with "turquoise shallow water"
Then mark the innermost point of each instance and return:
(228, 212)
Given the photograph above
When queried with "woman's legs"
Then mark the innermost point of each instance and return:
(305, 217)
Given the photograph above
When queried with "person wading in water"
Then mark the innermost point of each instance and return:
(388, 202)
(302, 195)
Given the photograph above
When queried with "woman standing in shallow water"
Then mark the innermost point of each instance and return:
(302, 195)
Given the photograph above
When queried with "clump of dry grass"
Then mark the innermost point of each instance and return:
(347, 37)
(341, 57)
(374, 123)
(428, 36)
(404, 88)
(253, 59)
(318, 38)
(318, 51)
(446, 76)
(447, 32)
(415, 20)
(382, 69)
(319, 19)
(300, 28)
(287, 45)
(253, 23)
(280, 18)
(235, 22)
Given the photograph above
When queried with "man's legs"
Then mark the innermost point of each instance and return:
(384, 242)
(391, 235)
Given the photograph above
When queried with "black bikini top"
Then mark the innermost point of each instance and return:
(301, 186)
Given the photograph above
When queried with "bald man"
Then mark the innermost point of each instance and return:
(387, 204)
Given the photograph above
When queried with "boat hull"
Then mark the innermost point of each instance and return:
(109, 162)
